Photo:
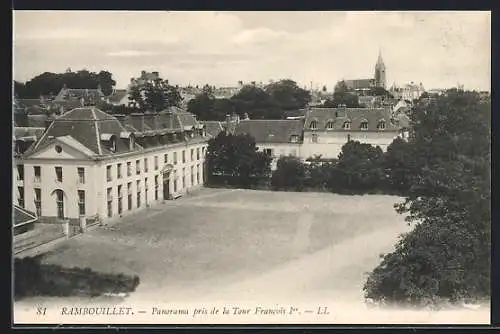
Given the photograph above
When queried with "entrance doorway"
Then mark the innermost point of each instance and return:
(166, 186)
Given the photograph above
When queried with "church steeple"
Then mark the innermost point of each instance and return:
(380, 80)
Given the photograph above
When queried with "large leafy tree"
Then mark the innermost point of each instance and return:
(447, 255)
(359, 168)
(255, 102)
(203, 107)
(236, 157)
(51, 83)
(398, 165)
(342, 95)
(288, 95)
(155, 96)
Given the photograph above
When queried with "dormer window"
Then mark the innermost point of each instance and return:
(364, 125)
(110, 141)
(329, 125)
(381, 125)
(313, 125)
(112, 144)
(347, 125)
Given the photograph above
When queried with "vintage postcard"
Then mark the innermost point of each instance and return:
(251, 167)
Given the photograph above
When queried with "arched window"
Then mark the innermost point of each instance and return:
(381, 125)
(313, 125)
(347, 125)
(364, 125)
(329, 125)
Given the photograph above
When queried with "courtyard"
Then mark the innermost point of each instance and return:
(245, 247)
(226, 242)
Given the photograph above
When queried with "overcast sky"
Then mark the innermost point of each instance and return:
(439, 49)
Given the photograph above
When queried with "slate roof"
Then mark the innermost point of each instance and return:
(22, 216)
(21, 132)
(271, 131)
(360, 83)
(186, 119)
(66, 104)
(37, 120)
(295, 113)
(142, 123)
(84, 125)
(213, 128)
(117, 95)
(91, 128)
(77, 93)
(355, 115)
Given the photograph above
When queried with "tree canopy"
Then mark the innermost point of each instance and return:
(235, 158)
(268, 103)
(51, 83)
(288, 95)
(342, 95)
(154, 96)
(358, 168)
(447, 255)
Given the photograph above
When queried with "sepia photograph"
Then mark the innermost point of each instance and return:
(225, 167)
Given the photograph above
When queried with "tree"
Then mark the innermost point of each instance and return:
(155, 96)
(203, 107)
(256, 102)
(19, 89)
(447, 255)
(51, 83)
(235, 159)
(106, 82)
(359, 168)
(342, 95)
(289, 174)
(287, 95)
(398, 166)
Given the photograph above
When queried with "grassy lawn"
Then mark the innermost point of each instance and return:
(222, 236)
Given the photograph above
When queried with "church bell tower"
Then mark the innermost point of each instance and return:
(380, 80)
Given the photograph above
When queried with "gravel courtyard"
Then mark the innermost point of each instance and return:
(220, 239)
(244, 247)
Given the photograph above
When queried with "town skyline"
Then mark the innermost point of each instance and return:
(222, 48)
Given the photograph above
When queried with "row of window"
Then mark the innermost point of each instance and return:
(81, 170)
(58, 173)
(119, 174)
(347, 125)
(81, 194)
(138, 197)
(59, 201)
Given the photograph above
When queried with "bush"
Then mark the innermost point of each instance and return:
(289, 174)
(31, 278)
(448, 254)
(435, 262)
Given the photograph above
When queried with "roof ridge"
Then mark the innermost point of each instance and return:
(99, 149)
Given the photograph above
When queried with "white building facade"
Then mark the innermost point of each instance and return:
(326, 130)
(89, 164)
